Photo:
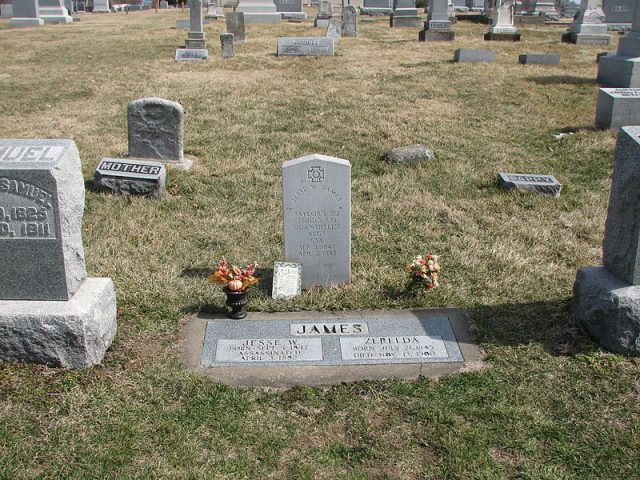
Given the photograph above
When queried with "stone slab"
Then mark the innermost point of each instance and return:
(618, 107)
(609, 309)
(586, 38)
(539, 59)
(353, 345)
(71, 334)
(130, 177)
(316, 191)
(321, 22)
(405, 21)
(502, 37)
(469, 55)
(41, 207)
(619, 71)
(530, 182)
(621, 245)
(436, 36)
(305, 46)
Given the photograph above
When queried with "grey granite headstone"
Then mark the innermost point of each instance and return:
(349, 21)
(290, 9)
(404, 15)
(622, 70)
(235, 25)
(316, 193)
(621, 246)
(438, 25)
(26, 14)
(156, 129)
(544, 184)
(618, 107)
(54, 11)
(130, 177)
(41, 205)
(468, 55)
(226, 42)
(589, 27)
(101, 6)
(334, 30)
(305, 46)
(6, 10)
(195, 37)
(619, 13)
(377, 7)
(50, 313)
(539, 59)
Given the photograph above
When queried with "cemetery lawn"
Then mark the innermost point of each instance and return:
(552, 406)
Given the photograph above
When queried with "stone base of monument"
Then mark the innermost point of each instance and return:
(71, 334)
(405, 21)
(586, 38)
(619, 71)
(376, 11)
(321, 22)
(609, 309)
(502, 37)
(25, 22)
(436, 36)
(323, 348)
(130, 177)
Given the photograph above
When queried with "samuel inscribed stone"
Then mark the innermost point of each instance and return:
(317, 218)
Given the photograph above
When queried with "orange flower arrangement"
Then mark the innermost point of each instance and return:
(425, 270)
(234, 278)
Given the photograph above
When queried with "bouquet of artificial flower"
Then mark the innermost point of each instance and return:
(425, 270)
(234, 278)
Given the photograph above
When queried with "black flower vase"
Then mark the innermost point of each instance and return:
(237, 301)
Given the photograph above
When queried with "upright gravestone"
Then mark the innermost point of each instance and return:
(316, 193)
(290, 9)
(6, 10)
(475, 5)
(226, 42)
(25, 14)
(80, 7)
(622, 70)
(325, 13)
(334, 30)
(156, 131)
(235, 25)
(214, 9)
(536, 7)
(54, 11)
(101, 6)
(502, 27)
(618, 107)
(349, 21)
(50, 312)
(195, 47)
(405, 14)
(607, 299)
(259, 11)
(377, 7)
(588, 28)
(619, 13)
(438, 26)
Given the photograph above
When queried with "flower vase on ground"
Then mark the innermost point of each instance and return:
(236, 300)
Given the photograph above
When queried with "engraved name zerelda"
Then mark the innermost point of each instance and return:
(26, 190)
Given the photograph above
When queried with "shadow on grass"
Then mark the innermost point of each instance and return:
(546, 323)
(562, 79)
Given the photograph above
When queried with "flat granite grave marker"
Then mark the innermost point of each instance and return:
(305, 46)
(315, 348)
(618, 107)
(186, 54)
(607, 299)
(316, 192)
(50, 312)
(544, 184)
(539, 59)
(130, 177)
(469, 55)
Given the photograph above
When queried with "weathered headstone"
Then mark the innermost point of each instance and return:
(130, 177)
(502, 27)
(539, 59)
(305, 46)
(334, 30)
(618, 107)
(226, 42)
(377, 7)
(54, 11)
(101, 6)
(588, 28)
(349, 21)
(438, 26)
(195, 37)
(50, 312)
(607, 299)
(235, 25)
(404, 15)
(469, 55)
(619, 13)
(26, 14)
(290, 9)
(259, 11)
(155, 130)
(409, 154)
(316, 193)
(164, 5)
(530, 182)
(622, 70)
(325, 13)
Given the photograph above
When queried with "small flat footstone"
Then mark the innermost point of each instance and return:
(539, 59)
(315, 348)
(531, 182)
(469, 55)
(409, 154)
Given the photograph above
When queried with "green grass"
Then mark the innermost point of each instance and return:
(553, 405)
